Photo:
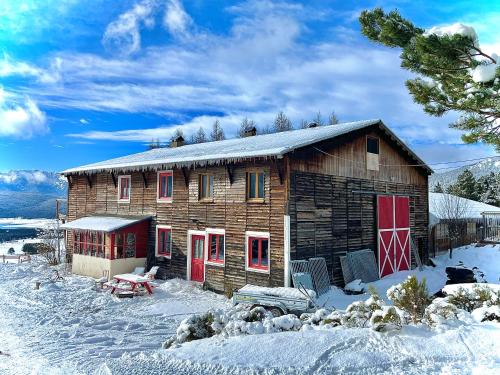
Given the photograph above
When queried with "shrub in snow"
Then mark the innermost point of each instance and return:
(358, 313)
(473, 297)
(440, 312)
(489, 313)
(386, 319)
(321, 317)
(411, 296)
(193, 328)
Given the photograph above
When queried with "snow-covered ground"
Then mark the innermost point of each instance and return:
(70, 328)
(24, 223)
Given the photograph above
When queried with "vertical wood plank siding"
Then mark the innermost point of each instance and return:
(228, 210)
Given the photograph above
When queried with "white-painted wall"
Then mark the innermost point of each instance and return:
(98, 267)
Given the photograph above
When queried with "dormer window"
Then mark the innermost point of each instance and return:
(165, 186)
(372, 153)
(124, 189)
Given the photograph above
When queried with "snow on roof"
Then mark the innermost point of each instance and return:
(230, 150)
(103, 223)
(474, 208)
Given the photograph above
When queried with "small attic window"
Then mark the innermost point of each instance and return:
(372, 145)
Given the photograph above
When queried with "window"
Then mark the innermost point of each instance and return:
(206, 186)
(124, 188)
(125, 245)
(91, 243)
(258, 252)
(163, 241)
(255, 185)
(165, 186)
(215, 248)
(372, 145)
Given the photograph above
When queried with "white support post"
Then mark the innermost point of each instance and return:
(286, 250)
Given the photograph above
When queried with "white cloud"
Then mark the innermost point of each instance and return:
(123, 35)
(11, 67)
(84, 121)
(176, 20)
(20, 120)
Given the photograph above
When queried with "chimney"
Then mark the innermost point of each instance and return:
(177, 142)
(312, 125)
(250, 132)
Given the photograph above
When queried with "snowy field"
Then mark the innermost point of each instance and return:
(70, 328)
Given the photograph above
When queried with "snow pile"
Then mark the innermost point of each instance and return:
(454, 29)
(278, 292)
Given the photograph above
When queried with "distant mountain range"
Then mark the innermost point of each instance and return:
(479, 169)
(30, 194)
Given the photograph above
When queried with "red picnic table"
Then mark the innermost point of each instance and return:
(133, 280)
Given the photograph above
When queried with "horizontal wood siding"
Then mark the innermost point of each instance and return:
(228, 210)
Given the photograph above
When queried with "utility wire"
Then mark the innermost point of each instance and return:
(412, 165)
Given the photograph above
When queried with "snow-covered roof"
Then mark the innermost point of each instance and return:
(473, 208)
(231, 150)
(103, 223)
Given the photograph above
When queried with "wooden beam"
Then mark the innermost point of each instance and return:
(185, 173)
(230, 174)
(281, 172)
(70, 181)
(114, 179)
(89, 180)
(144, 179)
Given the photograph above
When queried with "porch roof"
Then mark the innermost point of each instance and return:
(104, 223)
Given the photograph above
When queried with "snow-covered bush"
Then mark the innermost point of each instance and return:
(386, 319)
(473, 296)
(321, 317)
(411, 296)
(487, 313)
(193, 328)
(358, 313)
(440, 312)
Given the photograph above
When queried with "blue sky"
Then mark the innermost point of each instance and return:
(87, 80)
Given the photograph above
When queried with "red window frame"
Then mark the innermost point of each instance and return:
(169, 192)
(127, 186)
(159, 250)
(91, 243)
(259, 265)
(218, 250)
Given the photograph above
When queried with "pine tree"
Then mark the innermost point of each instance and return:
(458, 75)
(281, 123)
(155, 143)
(438, 188)
(199, 137)
(246, 124)
(465, 187)
(488, 189)
(332, 119)
(217, 133)
(318, 119)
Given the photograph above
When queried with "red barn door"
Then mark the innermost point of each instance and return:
(393, 234)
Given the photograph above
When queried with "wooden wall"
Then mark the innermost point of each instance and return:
(328, 214)
(228, 210)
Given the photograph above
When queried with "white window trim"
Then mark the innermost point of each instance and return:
(164, 200)
(210, 231)
(190, 252)
(120, 178)
(260, 235)
(156, 241)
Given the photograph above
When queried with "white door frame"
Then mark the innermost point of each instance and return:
(190, 252)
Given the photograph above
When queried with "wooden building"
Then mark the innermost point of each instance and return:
(233, 212)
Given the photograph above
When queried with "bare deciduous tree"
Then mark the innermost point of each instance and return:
(453, 211)
(49, 236)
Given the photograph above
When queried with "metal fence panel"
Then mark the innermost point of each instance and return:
(363, 265)
(319, 273)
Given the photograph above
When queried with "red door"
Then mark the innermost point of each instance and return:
(393, 234)
(197, 258)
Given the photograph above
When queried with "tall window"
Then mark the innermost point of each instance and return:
(372, 145)
(215, 248)
(258, 253)
(125, 245)
(372, 153)
(206, 186)
(124, 188)
(255, 185)
(165, 186)
(164, 242)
